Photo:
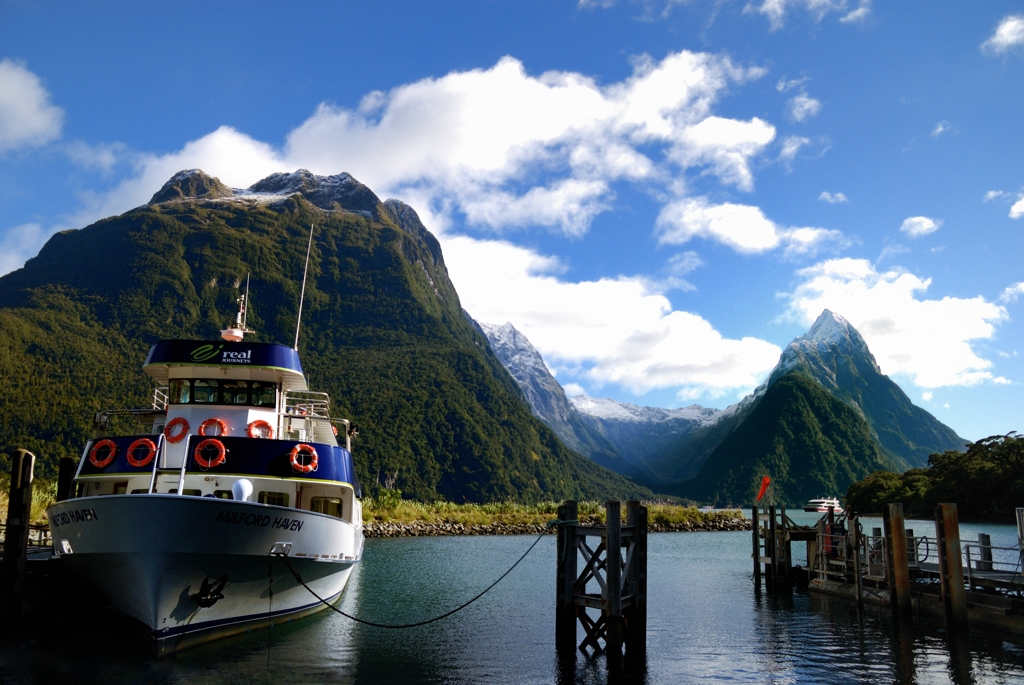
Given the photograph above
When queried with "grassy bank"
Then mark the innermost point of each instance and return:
(44, 493)
(389, 509)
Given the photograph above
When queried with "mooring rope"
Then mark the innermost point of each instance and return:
(288, 564)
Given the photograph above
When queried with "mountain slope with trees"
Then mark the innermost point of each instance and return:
(382, 332)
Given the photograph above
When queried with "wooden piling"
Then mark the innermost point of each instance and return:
(855, 533)
(565, 605)
(636, 613)
(951, 572)
(897, 573)
(985, 547)
(622, 581)
(771, 569)
(755, 514)
(65, 478)
(785, 552)
(19, 508)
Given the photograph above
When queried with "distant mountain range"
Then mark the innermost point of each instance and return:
(835, 395)
(382, 331)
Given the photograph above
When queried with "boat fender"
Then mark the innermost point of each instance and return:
(94, 453)
(221, 427)
(241, 489)
(150, 448)
(297, 465)
(219, 457)
(170, 430)
(260, 429)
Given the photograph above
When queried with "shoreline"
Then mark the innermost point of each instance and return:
(384, 529)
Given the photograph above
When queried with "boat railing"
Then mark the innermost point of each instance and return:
(161, 457)
(161, 398)
(315, 405)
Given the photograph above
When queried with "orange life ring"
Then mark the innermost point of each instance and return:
(150, 452)
(94, 453)
(257, 425)
(210, 423)
(298, 466)
(170, 428)
(220, 458)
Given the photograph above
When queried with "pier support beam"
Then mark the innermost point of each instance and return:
(19, 509)
(755, 515)
(565, 606)
(951, 570)
(897, 573)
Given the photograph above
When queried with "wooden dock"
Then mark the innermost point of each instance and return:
(966, 583)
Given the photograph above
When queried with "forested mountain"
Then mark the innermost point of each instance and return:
(382, 332)
(809, 442)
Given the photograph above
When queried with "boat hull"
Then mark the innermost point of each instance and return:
(192, 569)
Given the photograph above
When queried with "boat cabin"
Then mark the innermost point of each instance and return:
(224, 413)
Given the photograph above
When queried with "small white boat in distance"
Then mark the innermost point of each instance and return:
(821, 506)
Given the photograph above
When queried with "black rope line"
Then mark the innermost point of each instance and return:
(288, 563)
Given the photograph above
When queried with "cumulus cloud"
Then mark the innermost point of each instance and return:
(992, 194)
(27, 118)
(612, 330)
(743, 227)
(504, 147)
(917, 226)
(1011, 293)
(832, 198)
(927, 340)
(803, 107)
(776, 10)
(1009, 35)
(1017, 210)
(19, 244)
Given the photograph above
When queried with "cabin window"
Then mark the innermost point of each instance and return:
(140, 491)
(331, 506)
(264, 394)
(178, 391)
(121, 488)
(204, 391)
(234, 392)
(276, 498)
(191, 492)
(223, 494)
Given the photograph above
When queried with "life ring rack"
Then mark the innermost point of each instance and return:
(220, 457)
(170, 430)
(94, 453)
(150, 452)
(254, 428)
(222, 428)
(298, 466)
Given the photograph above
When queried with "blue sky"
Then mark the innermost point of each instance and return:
(660, 195)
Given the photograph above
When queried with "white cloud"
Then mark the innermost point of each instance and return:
(927, 396)
(27, 118)
(776, 10)
(573, 390)
(1011, 293)
(743, 227)
(992, 194)
(612, 330)
(940, 128)
(917, 226)
(832, 198)
(803, 107)
(785, 85)
(791, 146)
(19, 244)
(1009, 35)
(927, 340)
(505, 147)
(101, 157)
(1017, 210)
(860, 14)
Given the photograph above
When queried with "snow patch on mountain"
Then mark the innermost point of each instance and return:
(609, 409)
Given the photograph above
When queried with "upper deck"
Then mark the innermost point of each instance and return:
(242, 360)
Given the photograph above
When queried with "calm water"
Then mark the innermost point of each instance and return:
(705, 625)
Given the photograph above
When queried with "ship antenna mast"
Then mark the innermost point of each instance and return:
(236, 332)
(302, 293)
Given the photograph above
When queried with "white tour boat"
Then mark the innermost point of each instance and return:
(822, 505)
(178, 526)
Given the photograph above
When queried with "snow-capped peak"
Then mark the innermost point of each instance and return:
(828, 328)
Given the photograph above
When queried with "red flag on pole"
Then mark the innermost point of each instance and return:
(764, 486)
